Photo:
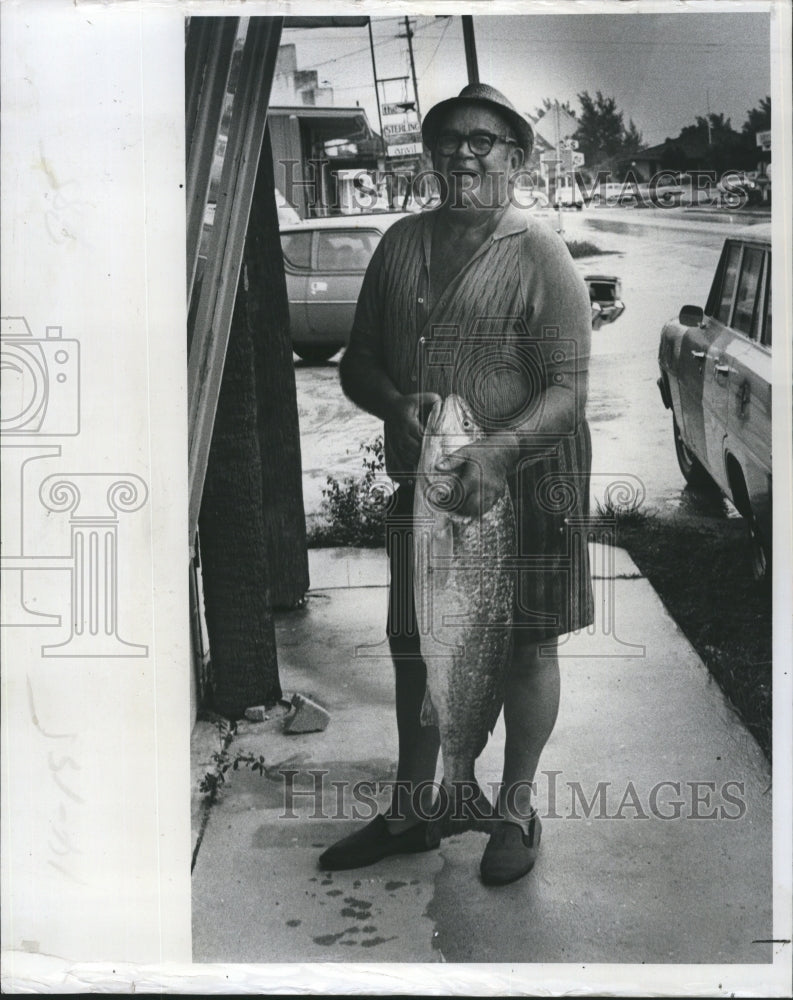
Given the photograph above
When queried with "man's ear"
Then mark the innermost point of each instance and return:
(517, 158)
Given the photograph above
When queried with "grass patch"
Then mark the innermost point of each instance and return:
(704, 579)
(583, 248)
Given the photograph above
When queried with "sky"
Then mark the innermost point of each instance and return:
(663, 69)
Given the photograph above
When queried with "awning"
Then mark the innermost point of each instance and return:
(350, 124)
(325, 22)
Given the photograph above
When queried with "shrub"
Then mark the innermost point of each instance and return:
(582, 248)
(353, 508)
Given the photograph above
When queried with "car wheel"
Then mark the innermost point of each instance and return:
(315, 353)
(693, 471)
(760, 555)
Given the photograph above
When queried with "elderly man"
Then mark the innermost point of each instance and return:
(499, 294)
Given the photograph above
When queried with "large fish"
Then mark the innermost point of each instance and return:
(464, 592)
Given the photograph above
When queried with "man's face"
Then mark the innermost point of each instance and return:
(477, 181)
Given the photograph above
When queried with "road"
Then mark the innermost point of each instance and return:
(665, 260)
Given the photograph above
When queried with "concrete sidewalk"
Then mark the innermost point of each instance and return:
(671, 864)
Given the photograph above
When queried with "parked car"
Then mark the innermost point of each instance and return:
(325, 260)
(605, 297)
(568, 196)
(612, 194)
(716, 379)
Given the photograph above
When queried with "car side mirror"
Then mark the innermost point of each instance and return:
(691, 316)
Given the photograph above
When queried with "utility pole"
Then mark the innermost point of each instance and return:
(558, 165)
(470, 48)
(707, 104)
(409, 35)
(376, 89)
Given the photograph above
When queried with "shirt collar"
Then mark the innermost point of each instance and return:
(513, 221)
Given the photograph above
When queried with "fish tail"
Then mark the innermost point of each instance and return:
(429, 717)
(463, 805)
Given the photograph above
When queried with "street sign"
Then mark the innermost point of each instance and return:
(555, 124)
(403, 129)
(397, 109)
(763, 140)
(578, 160)
(549, 157)
(405, 149)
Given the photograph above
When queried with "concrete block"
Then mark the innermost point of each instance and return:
(307, 717)
(256, 713)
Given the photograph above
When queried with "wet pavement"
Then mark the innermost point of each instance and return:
(655, 803)
(664, 260)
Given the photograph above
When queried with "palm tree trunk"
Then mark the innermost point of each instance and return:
(279, 434)
(235, 561)
(252, 523)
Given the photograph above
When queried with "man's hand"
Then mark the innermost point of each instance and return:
(481, 468)
(404, 427)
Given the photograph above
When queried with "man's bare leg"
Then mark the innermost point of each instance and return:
(418, 755)
(531, 705)
(418, 745)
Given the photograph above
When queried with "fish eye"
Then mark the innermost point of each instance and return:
(466, 424)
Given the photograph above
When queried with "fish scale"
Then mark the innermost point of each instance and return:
(464, 593)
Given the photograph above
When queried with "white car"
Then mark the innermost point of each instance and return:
(716, 379)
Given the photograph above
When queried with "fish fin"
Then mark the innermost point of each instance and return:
(493, 721)
(494, 715)
(429, 717)
(442, 551)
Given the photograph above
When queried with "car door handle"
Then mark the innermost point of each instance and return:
(698, 354)
(318, 286)
(721, 369)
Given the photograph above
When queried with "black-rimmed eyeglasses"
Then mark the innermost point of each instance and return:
(480, 143)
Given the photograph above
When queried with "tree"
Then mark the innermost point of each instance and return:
(252, 525)
(279, 433)
(601, 133)
(235, 565)
(713, 141)
(714, 128)
(548, 103)
(633, 141)
(758, 119)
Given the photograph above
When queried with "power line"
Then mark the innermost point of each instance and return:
(619, 44)
(435, 51)
(386, 41)
(349, 55)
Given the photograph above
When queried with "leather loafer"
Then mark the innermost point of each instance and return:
(510, 853)
(374, 842)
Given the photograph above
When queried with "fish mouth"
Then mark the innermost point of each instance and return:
(455, 420)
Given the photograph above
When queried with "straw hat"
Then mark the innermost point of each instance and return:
(488, 97)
